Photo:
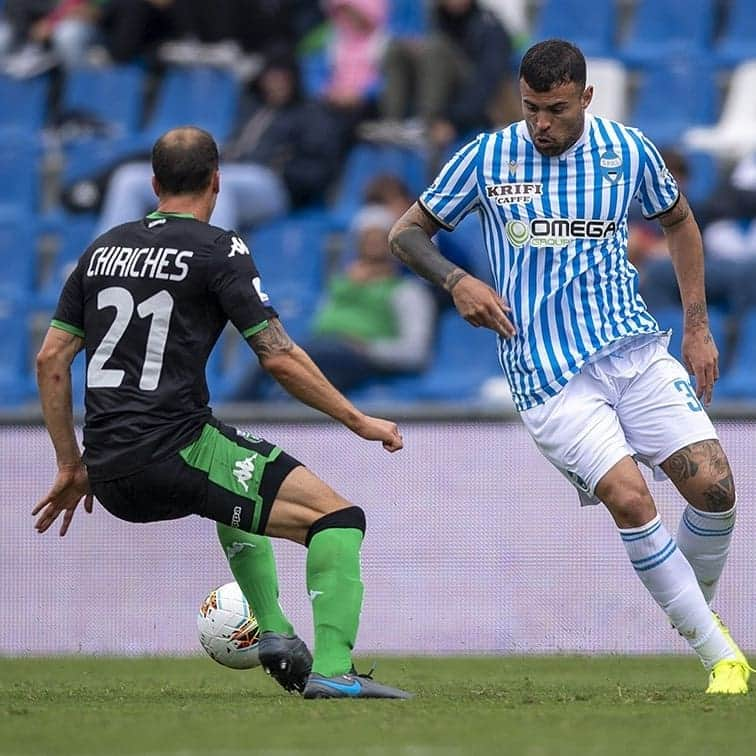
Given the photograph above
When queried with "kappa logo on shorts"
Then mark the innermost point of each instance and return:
(243, 470)
(248, 436)
(238, 247)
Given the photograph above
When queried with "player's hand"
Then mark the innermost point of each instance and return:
(701, 358)
(480, 306)
(376, 429)
(71, 484)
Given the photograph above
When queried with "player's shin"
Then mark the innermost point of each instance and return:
(335, 588)
(669, 578)
(704, 538)
(253, 565)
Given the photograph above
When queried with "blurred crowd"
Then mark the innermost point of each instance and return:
(317, 79)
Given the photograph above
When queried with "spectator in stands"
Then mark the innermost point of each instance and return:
(373, 321)
(284, 154)
(729, 246)
(389, 191)
(455, 76)
(132, 29)
(36, 35)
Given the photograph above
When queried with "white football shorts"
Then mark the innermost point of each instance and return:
(636, 401)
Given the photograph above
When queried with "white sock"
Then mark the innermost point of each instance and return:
(669, 578)
(704, 538)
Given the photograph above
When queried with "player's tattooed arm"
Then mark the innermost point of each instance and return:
(410, 240)
(699, 353)
(702, 474)
(476, 302)
(271, 340)
(677, 214)
(295, 371)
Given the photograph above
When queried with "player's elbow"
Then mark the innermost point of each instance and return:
(279, 364)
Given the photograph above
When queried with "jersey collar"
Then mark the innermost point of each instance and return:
(157, 214)
(523, 133)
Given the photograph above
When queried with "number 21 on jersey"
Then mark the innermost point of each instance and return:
(158, 307)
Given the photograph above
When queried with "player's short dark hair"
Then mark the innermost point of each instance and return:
(184, 160)
(551, 63)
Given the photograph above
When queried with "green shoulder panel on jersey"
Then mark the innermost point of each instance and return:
(157, 214)
(231, 466)
(67, 327)
(255, 329)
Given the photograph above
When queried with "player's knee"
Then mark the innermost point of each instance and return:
(719, 495)
(630, 506)
(349, 517)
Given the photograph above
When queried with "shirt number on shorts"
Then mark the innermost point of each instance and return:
(159, 306)
(684, 387)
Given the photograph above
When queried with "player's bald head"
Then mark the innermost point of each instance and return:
(184, 160)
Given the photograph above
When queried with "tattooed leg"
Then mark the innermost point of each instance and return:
(702, 474)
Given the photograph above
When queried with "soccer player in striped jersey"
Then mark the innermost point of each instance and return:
(587, 364)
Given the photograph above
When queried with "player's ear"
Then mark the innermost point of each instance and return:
(216, 182)
(155, 187)
(587, 96)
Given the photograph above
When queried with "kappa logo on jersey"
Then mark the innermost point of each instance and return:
(238, 247)
(610, 166)
(512, 193)
(556, 232)
(244, 469)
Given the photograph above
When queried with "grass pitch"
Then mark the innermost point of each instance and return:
(496, 705)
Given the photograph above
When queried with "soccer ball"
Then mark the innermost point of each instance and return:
(227, 628)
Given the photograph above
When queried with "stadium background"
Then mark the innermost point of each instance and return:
(475, 543)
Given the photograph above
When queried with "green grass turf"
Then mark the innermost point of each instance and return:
(497, 705)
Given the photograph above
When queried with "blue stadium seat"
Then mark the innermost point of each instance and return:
(71, 236)
(465, 247)
(669, 30)
(23, 104)
(464, 358)
(407, 18)
(17, 257)
(586, 23)
(672, 96)
(703, 177)
(672, 318)
(112, 94)
(364, 163)
(289, 255)
(738, 40)
(15, 360)
(19, 175)
(740, 380)
(198, 95)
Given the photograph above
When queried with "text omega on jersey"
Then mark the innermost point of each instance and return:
(165, 263)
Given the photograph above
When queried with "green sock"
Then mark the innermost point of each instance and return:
(333, 580)
(254, 567)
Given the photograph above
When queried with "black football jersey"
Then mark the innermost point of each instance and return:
(150, 299)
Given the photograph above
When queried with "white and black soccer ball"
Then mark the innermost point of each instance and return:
(227, 628)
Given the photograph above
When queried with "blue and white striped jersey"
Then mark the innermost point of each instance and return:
(555, 231)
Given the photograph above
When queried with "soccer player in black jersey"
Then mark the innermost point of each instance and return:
(147, 301)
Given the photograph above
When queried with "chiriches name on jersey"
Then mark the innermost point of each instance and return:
(165, 263)
(556, 232)
(512, 193)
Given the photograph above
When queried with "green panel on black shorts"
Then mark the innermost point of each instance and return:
(231, 466)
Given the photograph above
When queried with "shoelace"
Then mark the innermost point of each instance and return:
(365, 676)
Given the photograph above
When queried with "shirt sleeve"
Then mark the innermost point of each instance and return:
(454, 193)
(69, 314)
(658, 190)
(236, 282)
